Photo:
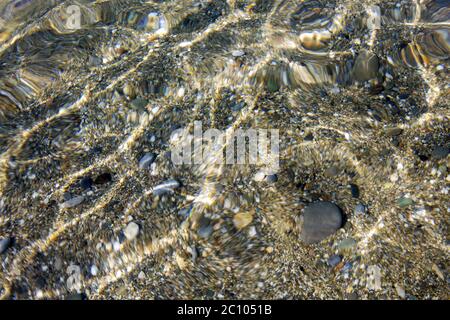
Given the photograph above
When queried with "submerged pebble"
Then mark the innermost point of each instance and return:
(334, 260)
(166, 187)
(131, 231)
(75, 201)
(147, 160)
(4, 244)
(205, 228)
(440, 152)
(360, 209)
(319, 221)
(242, 219)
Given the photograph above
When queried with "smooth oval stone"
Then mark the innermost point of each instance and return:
(334, 260)
(360, 209)
(166, 187)
(319, 221)
(205, 228)
(131, 231)
(147, 160)
(440, 152)
(72, 202)
(4, 244)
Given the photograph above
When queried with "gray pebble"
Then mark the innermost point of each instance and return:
(147, 160)
(440, 152)
(166, 187)
(75, 201)
(205, 228)
(319, 221)
(4, 244)
(360, 209)
(334, 260)
(272, 178)
(238, 53)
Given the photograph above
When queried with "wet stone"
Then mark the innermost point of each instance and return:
(4, 244)
(355, 190)
(319, 221)
(334, 260)
(404, 202)
(360, 209)
(366, 66)
(139, 104)
(205, 228)
(392, 132)
(131, 231)
(166, 187)
(73, 202)
(440, 152)
(238, 53)
(86, 183)
(347, 245)
(272, 178)
(147, 160)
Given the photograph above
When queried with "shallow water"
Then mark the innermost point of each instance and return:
(357, 89)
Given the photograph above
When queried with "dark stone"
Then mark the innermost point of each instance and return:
(272, 178)
(86, 183)
(355, 190)
(440, 152)
(309, 137)
(67, 196)
(319, 221)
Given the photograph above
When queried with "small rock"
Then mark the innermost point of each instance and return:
(139, 104)
(185, 212)
(272, 178)
(94, 270)
(440, 152)
(360, 209)
(400, 291)
(58, 264)
(141, 275)
(347, 266)
(334, 260)
(405, 202)
(4, 244)
(72, 202)
(242, 219)
(205, 228)
(166, 187)
(147, 160)
(393, 132)
(86, 183)
(319, 221)
(347, 245)
(131, 231)
(238, 53)
(355, 190)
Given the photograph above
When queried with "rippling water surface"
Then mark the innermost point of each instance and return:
(357, 89)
